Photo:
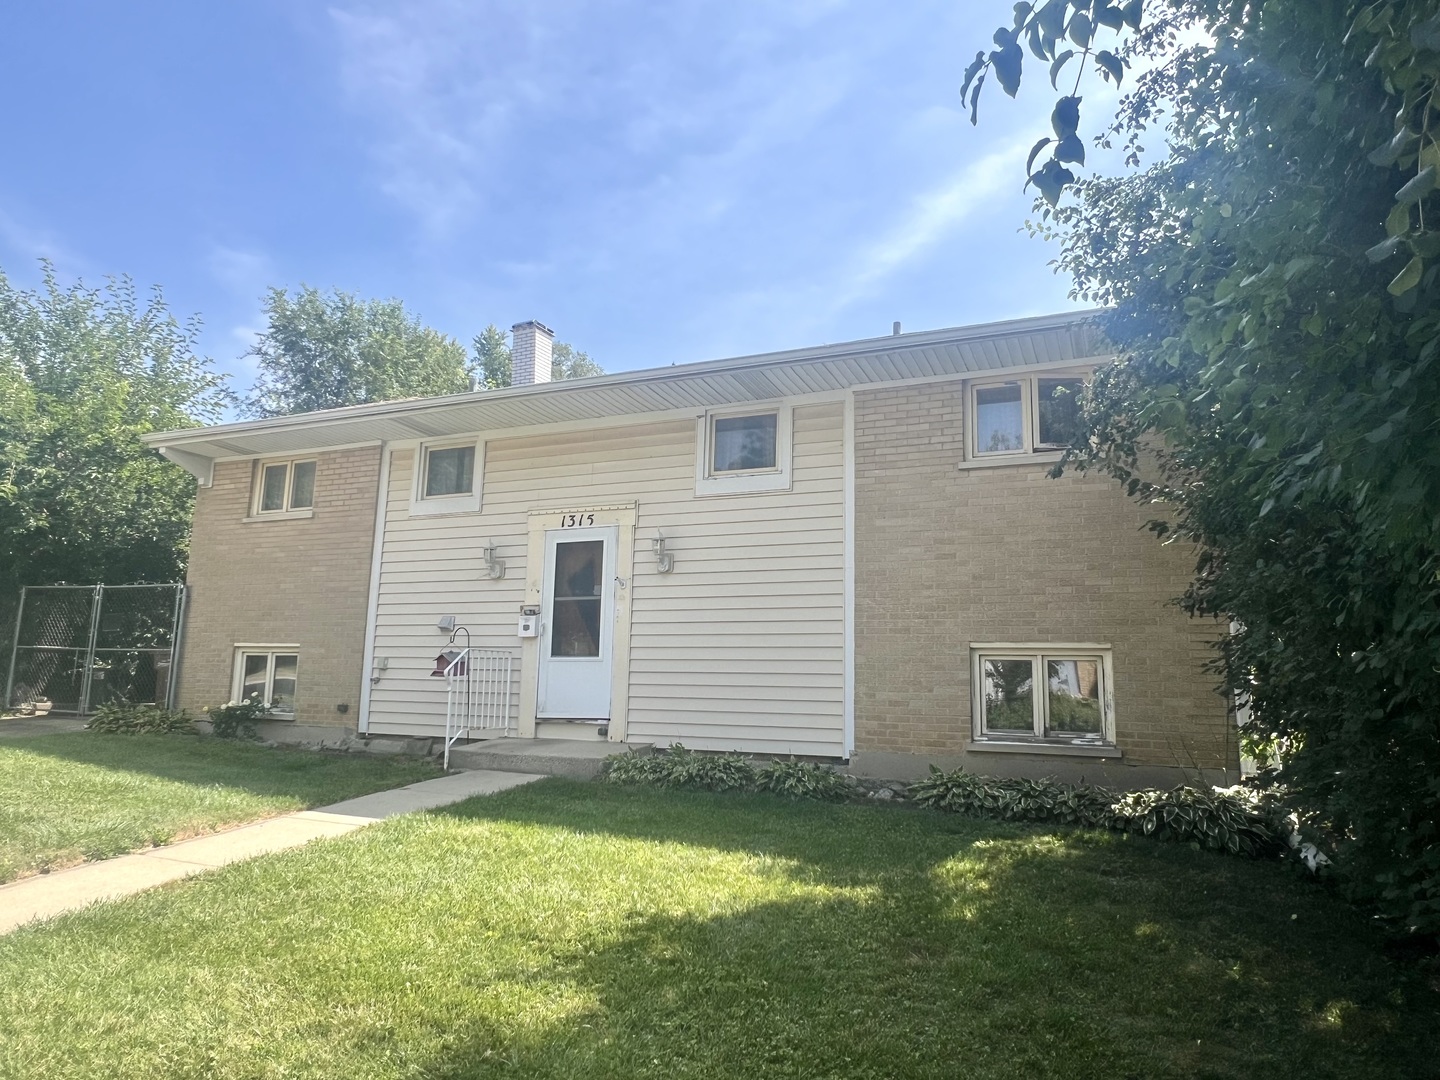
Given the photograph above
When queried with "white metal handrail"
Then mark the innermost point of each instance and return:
(477, 694)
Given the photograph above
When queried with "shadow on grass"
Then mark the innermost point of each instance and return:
(932, 945)
(267, 772)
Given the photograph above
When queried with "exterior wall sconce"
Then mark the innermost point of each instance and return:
(664, 561)
(494, 567)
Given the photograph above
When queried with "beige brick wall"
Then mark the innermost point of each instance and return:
(946, 557)
(300, 581)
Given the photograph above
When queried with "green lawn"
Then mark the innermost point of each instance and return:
(68, 798)
(571, 930)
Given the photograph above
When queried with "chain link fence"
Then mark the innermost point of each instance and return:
(76, 647)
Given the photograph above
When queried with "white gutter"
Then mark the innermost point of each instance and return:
(863, 347)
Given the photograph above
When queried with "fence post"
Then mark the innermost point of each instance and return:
(14, 645)
(173, 682)
(83, 707)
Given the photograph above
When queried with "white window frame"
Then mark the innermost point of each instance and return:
(237, 681)
(709, 483)
(422, 505)
(1029, 384)
(287, 512)
(1037, 653)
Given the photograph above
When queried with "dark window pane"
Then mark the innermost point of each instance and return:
(575, 609)
(575, 627)
(302, 486)
(1009, 696)
(272, 490)
(999, 419)
(450, 472)
(1074, 696)
(1059, 412)
(578, 566)
(744, 443)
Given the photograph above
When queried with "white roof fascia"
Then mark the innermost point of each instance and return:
(200, 442)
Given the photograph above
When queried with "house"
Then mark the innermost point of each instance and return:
(851, 552)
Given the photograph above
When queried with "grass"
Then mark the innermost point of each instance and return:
(68, 798)
(569, 930)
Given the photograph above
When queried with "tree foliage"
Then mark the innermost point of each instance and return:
(327, 350)
(1272, 288)
(490, 360)
(83, 374)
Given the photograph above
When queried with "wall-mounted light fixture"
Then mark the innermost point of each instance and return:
(664, 561)
(378, 668)
(493, 566)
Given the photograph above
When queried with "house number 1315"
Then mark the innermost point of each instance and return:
(575, 521)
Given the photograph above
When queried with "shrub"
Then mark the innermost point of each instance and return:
(681, 768)
(125, 719)
(1239, 821)
(804, 780)
(236, 719)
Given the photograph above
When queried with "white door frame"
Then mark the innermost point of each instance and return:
(588, 518)
(556, 673)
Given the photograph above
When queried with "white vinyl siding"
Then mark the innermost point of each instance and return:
(740, 647)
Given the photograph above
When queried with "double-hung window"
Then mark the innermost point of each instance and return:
(1022, 416)
(284, 487)
(743, 450)
(268, 675)
(1043, 694)
(447, 478)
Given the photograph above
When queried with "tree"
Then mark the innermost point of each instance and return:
(492, 366)
(327, 350)
(1272, 288)
(83, 374)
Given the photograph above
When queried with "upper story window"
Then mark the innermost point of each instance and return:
(283, 487)
(1025, 415)
(447, 478)
(743, 450)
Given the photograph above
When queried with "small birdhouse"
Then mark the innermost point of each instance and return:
(443, 662)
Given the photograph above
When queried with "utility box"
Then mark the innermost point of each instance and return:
(529, 626)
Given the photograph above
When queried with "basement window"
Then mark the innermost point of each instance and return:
(738, 451)
(268, 674)
(1044, 694)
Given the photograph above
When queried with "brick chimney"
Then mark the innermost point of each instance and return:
(530, 353)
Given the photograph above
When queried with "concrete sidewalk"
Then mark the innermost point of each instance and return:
(68, 890)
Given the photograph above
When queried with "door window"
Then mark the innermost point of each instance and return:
(575, 608)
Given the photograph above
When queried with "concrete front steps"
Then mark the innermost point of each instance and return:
(552, 757)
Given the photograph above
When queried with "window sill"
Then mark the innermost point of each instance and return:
(994, 746)
(461, 504)
(742, 484)
(1046, 457)
(279, 515)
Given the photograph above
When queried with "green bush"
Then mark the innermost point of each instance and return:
(681, 768)
(1239, 821)
(804, 780)
(126, 719)
(236, 719)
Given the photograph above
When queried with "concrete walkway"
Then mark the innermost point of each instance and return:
(18, 726)
(46, 895)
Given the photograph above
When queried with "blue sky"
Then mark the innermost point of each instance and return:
(660, 183)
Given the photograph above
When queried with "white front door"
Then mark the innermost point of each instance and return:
(578, 637)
